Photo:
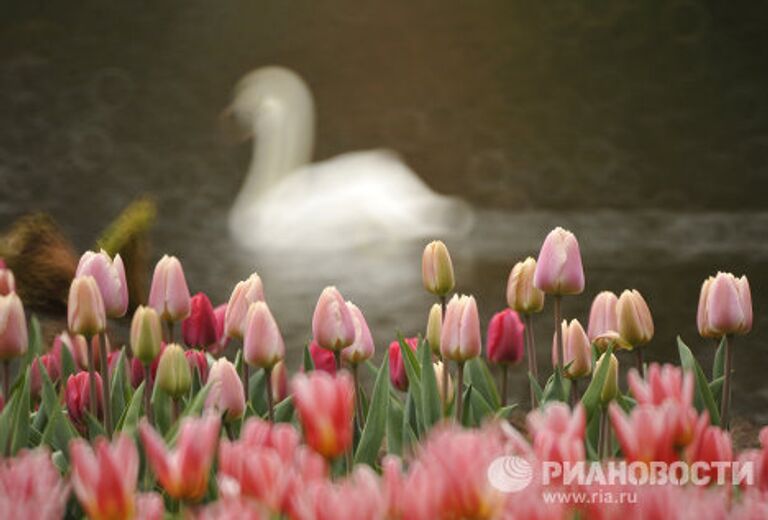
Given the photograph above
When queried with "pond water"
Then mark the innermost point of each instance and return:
(642, 127)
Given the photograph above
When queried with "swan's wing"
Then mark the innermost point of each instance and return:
(355, 198)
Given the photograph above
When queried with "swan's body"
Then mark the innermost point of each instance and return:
(349, 200)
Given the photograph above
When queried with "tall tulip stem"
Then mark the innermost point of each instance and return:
(358, 399)
(337, 359)
(504, 383)
(105, 380)
(559, 331)
(604, 435)
(725, 402)
(640, 362)
(270, 400)
(247, 380)
(170, 331)
(530, 347)
(459, 390)
(91, 376)
(444, 378)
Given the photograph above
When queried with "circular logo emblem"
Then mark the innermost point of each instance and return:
(510, 474)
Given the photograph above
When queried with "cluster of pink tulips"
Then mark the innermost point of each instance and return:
(207, 423)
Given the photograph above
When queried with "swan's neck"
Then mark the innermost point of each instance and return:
(283, 134)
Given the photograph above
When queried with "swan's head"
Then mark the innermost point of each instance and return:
(270, 95)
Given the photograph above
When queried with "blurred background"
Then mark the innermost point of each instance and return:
(641, 126)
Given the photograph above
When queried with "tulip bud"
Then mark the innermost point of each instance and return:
(173, 374)
(611, 384)
(325, 405)
(78, 398)
(13, 327)
(362, 348)
(505, 342)
(146, 334)
(559, 270)
(244, 294)
(110, 277)
(279, 380)
(77, 346)
(263, 344)
(635, 324)
(602, 315)
(725, 306)
(322, 359)
(437, 269)
(460, 337)
(169, 294)
(197, 362)
(435, 328)
(610, 339)
(7, 281)
(226, 395)
(220, 313)
(397, 374)
(52, 368)
(439, 367)
(522, 295)
(86, 313)
(332, 324)
(199, 329)
(578, 351)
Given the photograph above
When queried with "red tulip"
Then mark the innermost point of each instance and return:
(397, 374)
(78, 398)
(505, 343)
(199, 329)
(557, 433)
(198, 361)
(218, 347)
(322, 359)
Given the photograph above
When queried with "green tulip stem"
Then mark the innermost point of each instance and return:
(459, 390)
(270, 403)
(530, 347)
(559, 331)
(105, 383)
(725, 402)
(504, 383)
(604, 434)
(91, 376)
(446, 374)
(170, 331)
(640, 362)
(358, 399)
(337, 359)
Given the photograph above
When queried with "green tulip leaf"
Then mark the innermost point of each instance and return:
(703, 395)
(591, 397)
(432, 408)
(479, 376)
(376, 421)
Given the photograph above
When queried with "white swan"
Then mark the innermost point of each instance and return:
(350, 200)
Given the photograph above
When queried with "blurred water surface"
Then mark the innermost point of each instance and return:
(643, 127)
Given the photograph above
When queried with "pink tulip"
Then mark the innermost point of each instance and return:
(197, 362)
(325, 405)
(169, 294)
(150, 506)
(332, 325)
(322, 359)
(137, 372)
(647, 434)
(635, 324)
(711, 445)
(245, 293)
(279, 381)
(226, 395)
(725, 306)
(77, 346)
(460, 338)
(7, 281)
(397, 374)
(437, 269)
(578, 350)
(357, 496)
(199, 329)
(85, 310)
(183, 472)
(52, 368)
(362, 348)
(77, 397)
(558, 269)
(110, 277)
(602, 315)
(505, 343)
(220, 313)
(104, 478)
(31, 487)
(263, 345)
(522, 295)
(557, 433)
(13, 327)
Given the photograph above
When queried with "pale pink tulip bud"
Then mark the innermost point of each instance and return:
(13, 327)
(183, 471)
(635, 324)
(85, 310)
(725, 306)
(332, 325)
(7, 281)
(505, 342)
(611, 384)
(460, 339)
(220, 313)
(435, 328)
(243, 295)
(104, 478)
(110, 277)
(559, 270)
(169, 294)
(437, 269)
(325, 405)
(439, 367)
(602, 315)
(263, 345)
(522, 295)
(146, 334)
(226, 395)
(610, 339)
(578, 350)
(362, 348)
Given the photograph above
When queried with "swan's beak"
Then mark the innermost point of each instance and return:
(233, 130)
